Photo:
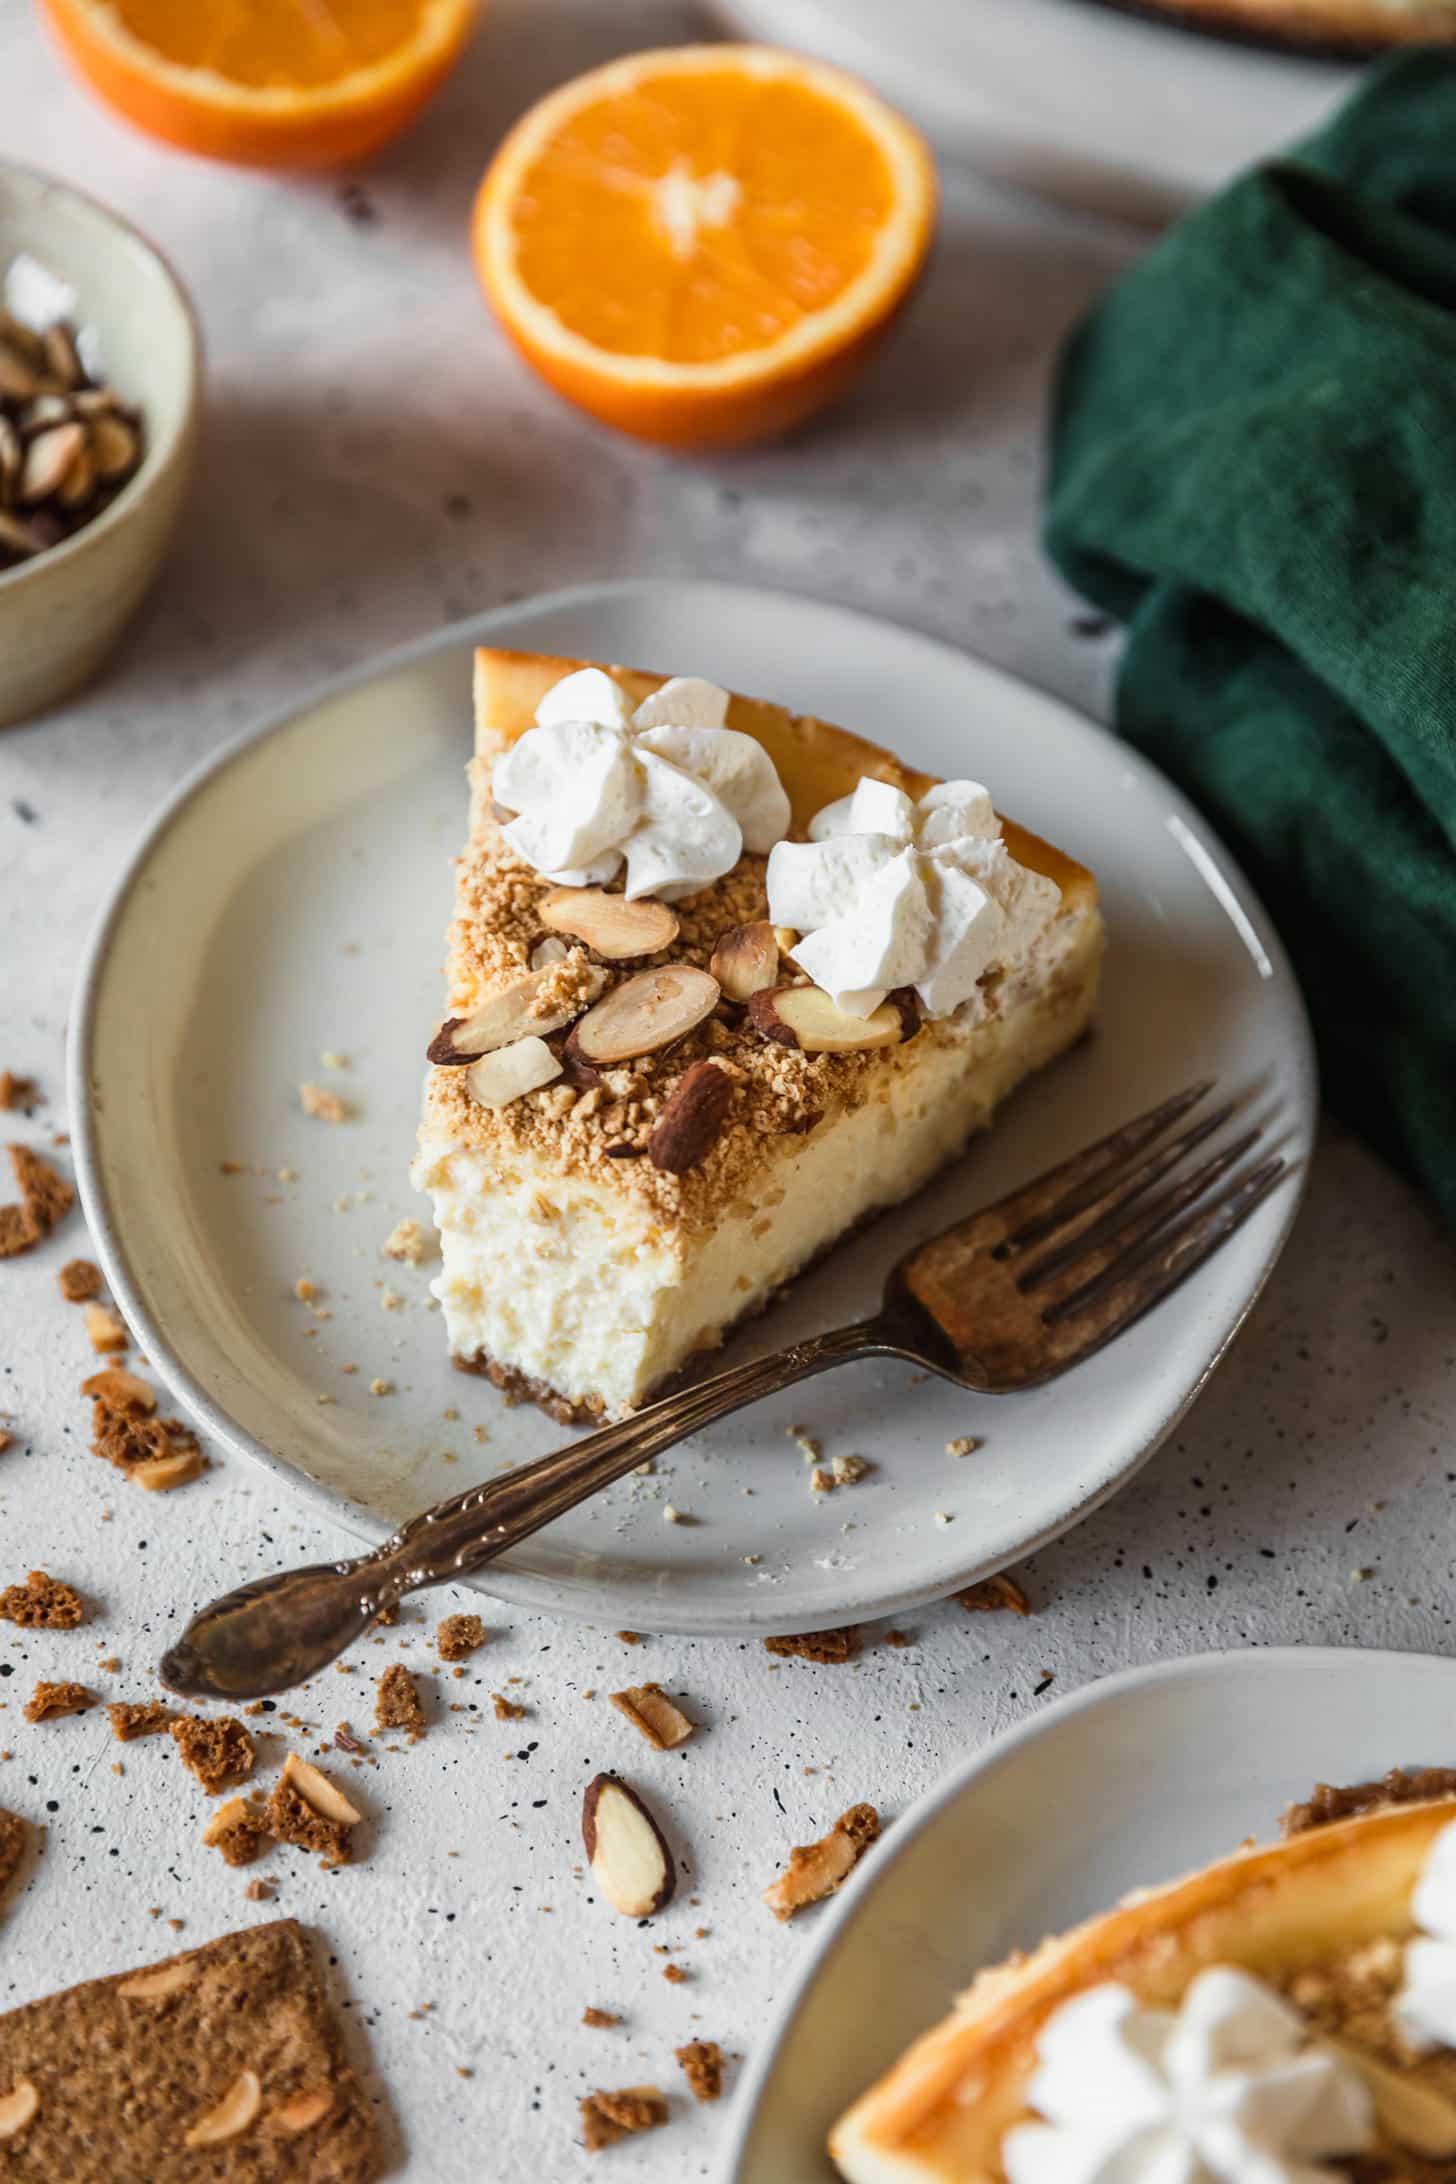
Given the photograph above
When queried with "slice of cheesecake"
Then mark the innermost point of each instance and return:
(642, 1119)
(1286, 2013)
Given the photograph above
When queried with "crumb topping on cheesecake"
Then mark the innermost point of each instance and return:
(602, 1130)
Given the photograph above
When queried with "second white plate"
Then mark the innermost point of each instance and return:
(290, 904)
(1128, 1783)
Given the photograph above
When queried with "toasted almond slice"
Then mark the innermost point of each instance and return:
(1419, 2118)
(114, 447)
(650, 1010)
(511, 1072)
(120, 1390)
(235, 2113)
(225, 1819)
(548, 951)
(626, 1849)
(167, 1979)
(804, 1017)
(315, 1788)
(48, 459)
(689, 1125)
(746, 960)
(648, 1708)
(160, 1474)
(104, 1331)
(302, 2110)
(500, 1021)
(817, 1869)
(18, 2107)
(609, 923)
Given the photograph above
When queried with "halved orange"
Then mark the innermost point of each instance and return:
(702, 246)
(265, 83)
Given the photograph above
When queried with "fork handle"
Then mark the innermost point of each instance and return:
(486, 1521)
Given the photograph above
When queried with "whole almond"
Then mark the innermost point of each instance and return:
(626, 1848)
(692, 1121)
(48, 458)
(746, 960)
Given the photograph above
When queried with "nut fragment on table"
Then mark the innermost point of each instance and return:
(650, 1710)
(816, 1870)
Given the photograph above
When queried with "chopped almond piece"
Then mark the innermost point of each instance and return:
(291, 1819)
(45, 1195)
(116, 1389)
(702, 2066)
(994, 1593)
(602, 2020)
(49, 1701)
(161, 1474)
(219, 1753)
(832, 1647)
(816, 1870)
(458, 1636)
(239, 1829)
(80, 1281)
(104, 1331)
(131, 1719)
(43, 1602)
(607, 2117)
(648, 1708)
(397, 1703)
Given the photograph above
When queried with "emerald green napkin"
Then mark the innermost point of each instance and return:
(1253, 466)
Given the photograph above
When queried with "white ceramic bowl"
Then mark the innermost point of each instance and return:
(61, 613)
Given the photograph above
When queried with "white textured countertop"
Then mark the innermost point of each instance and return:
(375, 464)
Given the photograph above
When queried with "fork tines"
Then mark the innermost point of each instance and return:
(1114, 1245)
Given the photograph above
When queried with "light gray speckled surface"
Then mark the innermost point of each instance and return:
(376, 463)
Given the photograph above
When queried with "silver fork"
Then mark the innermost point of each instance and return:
(1006, 1299)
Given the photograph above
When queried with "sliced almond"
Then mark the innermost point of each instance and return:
(167, 1979)
(692, 1121)
(816, 1870)
(746, 960)
(649, 1011)
(48, 458)
(234, 2114)
(225, 1819)
(120, 1390)
(506, 1017)
(648, 1708)
(547, 951)
(805, 1017)
(160, 1474)
(104, 1331)
(626, 1849)
(1420, 2119)
(114, 447)
(18, 2107)
(511, 1072)
(609, 923)
(302, 2111)
(315, 1788)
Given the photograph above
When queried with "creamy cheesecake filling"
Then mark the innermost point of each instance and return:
(583, 1290)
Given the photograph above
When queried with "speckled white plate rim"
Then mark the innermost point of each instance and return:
(874, 1597)
(1052, 1724)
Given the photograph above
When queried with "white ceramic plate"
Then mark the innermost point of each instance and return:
(1169, 1767)
(291, 901)
(1139, 118)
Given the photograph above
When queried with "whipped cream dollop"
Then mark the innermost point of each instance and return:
(887, 893)
(1224, 2091)
(1425, 2007)
(668, 789)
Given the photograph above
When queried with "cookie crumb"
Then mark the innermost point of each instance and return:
(607, 2117)
(105, 1331)
(993, 1594)
(964, 1444)
(45, 1194)
(49, 1701)
(702, 2066)
(602, 2020)
(16, 1091)
(43, 1602)
(80, 1281)
(219, 1753)
(458, 1636)
(397, 1703)
(408, 1243)
(133, 1718)
(323, 1105)
(831, 1647)
(239, 1830)
(506, 1709)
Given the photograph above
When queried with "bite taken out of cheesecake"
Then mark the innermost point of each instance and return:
(1285, 2016)
(723, 981)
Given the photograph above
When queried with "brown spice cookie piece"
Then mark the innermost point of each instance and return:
(607, 2117)
(80, 1281)
(816, 1870)
(993, 1594)
(13, 1837)
(43, 1602)
(133, 1718)
(239, 1829)
(44, 1192)
(602, 2020)
(702, 2066)
(397, 1702)
(220, 1753)
(49, 1701)
(458, 1636)
(17, 1232)
(127, 2068)
(829, 1646)
(309, 1811)
(16, 1091)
